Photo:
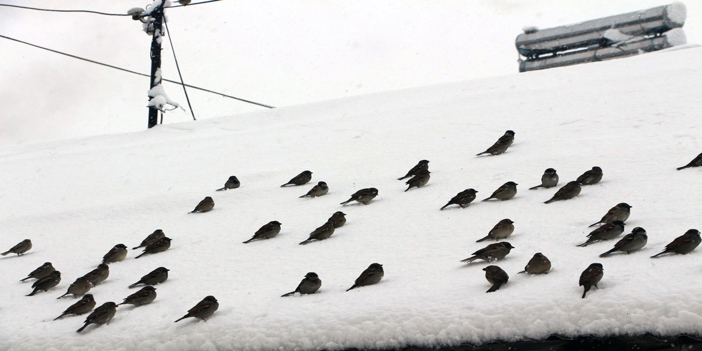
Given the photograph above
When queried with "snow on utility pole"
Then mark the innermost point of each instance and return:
(157, 38)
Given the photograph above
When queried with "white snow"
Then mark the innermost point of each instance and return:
(677, 12)
(676, 37)
(615, 35)
(637, 118)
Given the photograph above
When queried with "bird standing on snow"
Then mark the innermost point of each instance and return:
(501, 145)
(321, 233)
(79, 288)
(160, 245)
(567, 192)
(501, 230)
(590, 177)
(309, 285)
(423, 165)
(548, 180)
(539, 264)
(101, 315)
(363, 196)
(46, 283)
(683, 244)
(19, 249)
(157, 276)
(84, 305)
(505, 192)
(203, 309)
(697, 162)
(338, 219)
(300, 179)
(231, 183)
(631, 242)
(490, 253)
(41, 272)
(620, 212)
(495, 276)
(98, 275)
(269, 230)
(142, 297)
(372, 275)
(462, 199)
(418, 180)
(590, 277)
(206, 205)
(152, 238)
(117, 253)
(605, 232)
(318, 190)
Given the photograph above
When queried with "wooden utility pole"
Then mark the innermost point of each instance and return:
(157, 37)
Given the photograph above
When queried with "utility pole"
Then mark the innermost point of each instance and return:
(157, 37)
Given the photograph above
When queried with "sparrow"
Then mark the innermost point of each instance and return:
(568, 191)
(98, 275)
(501, 230)
(157, 276)
(309, 285)
(418, 180)
(159, 246)
(548, 180)
(84, 305)
(142, 297)
(501, 145)
(338, 219)
(462, 199)
(117, 253)
(46, 283)
(631, 242)
(490, 253)
(153, 237)
(299, 179)
(101, 315)
(697, 162)
(318, 190)
(20, 248)
(184, 2)
(591, 276)
(495, 276)
(505, 192)
(79, 288)
(363, 196)
(605, 232)
(620, 212)
(269, 230)
(206, 205)
(683, 244)
(321, 233)
(590, 177)
(203, 309)
(231, 183)
(539, 264)
(40, 272)
(423, 165)
(370, 276)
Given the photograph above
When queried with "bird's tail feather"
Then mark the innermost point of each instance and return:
(494, 288)
(445, 206)
(220, 189)
(248, 241)
(288, 294)
(658, 254)
(24, 279)
(83, 327)
(683, 167)
(5, 253)
(141, 254)
(483, 239)
(534, 187)
(347, 201)
(59, 317)
(608, 252)
(181, 318)
(134, 285)
(469, 259)
(594, 224)
(584, 244)
(33, 292)
(585, 292)
(306, 242)
(62, 295)
(353, 287)
(524, 271)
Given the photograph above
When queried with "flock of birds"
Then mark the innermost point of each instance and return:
(611, 225)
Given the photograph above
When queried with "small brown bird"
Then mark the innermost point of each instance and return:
(300, 179)
(101, 315)
(184, 2)
(631, 242)
(41, 272)
(206, 205)
(269, 230)
(318, 190)
(203, 309)
(620, 212)
(683, 244)
(501, 230)
(79, 288)
(321, 233)
(495, 276)
(117, 253)
(567, 192)
(157, 276)
(697, 162)
(309, 285)
(231, 183)
(490, 253)
(501, 145)
(98, 275)
(462, 199)
(142, 297)
(590, 177)
(338, 219)
(160, 245)
(363, 196)
(46, 283)
(84, 305)
(591, 276)
(423, 165)
(548, 180)
(418, 180)
(505, 192)
(373, 274)
(539, 264)
(19, 249)
(152, 238)
(605, 232)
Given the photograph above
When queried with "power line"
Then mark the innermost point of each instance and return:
(178, 68)
(137, 73)
(96, 12)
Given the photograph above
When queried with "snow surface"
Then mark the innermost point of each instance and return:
(677, 12)
(676, 37)
(637, 118)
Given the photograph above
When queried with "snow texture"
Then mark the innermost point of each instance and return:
(677, 13)
(159, 97)
(676, 37)
(637, 118)
(615, 35)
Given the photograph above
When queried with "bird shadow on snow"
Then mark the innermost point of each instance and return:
(15, 256)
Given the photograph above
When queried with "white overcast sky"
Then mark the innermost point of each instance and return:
(279, 53)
